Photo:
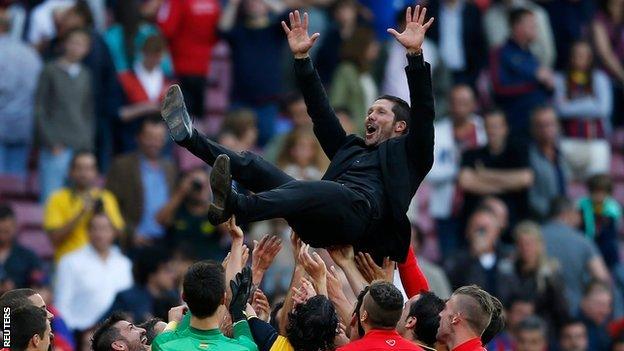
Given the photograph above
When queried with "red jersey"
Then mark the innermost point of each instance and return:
(471, 345)
(190, 27)
(378, 339)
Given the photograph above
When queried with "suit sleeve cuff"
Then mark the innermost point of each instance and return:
(416, 61)
(304, 66)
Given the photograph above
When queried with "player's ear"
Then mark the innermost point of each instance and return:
(410, 323)
(118, 345)
(400, 127)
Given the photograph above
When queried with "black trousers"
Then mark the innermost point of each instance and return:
(323, 213)
(194, 90)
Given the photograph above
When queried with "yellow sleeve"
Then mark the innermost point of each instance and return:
(281, 344)
(53, 213)
(112, 210)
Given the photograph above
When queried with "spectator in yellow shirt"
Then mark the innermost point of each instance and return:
(68, 210)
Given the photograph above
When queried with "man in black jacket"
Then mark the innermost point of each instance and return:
(365, 193)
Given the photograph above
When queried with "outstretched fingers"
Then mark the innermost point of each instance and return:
(285, 27)
(421, 18)
(429, 23)
(305, 20)
(408, 15)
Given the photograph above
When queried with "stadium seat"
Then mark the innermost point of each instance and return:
(29, 214)
(38, 241)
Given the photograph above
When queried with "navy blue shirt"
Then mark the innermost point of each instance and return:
(256, 62)
(22, 266)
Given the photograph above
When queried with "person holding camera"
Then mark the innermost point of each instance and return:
(68, 210)
(185, 217)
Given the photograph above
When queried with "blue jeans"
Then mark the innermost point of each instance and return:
(53, 171)
(14, 159)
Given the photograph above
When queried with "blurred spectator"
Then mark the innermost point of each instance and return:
(28, 329)
(461, 130)
(106, 90)
(144, 86)
(436, 277)
(535, 274)
(531, 335)
(352, 84)
(43, 19)
(154, 291)
(301, 156)
(343, 23)
(68, 210)
(251, 29)
(551, 170)
(579, 259)
(500, 168)
(88, 279)
(618, 344)
(64, 111)
(518, 308)
(346, 119)
(496, 23)
(601, 217)
(190, 27)
(241, 125)
(498, 207)
(573, 336)
(584, 103)
(20, 65)
(570, 21)
(294, 116)
(127, 36)
(383, 14)
(596, 309)
(16, 13)
(458, 33)
(519, 80)
(185, 216)
(481, 263)
(19, 266)
(142, 182)
(607, 32)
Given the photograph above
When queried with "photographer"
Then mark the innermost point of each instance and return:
(68, 210)
(185, 217)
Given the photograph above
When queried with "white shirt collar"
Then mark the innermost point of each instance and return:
(152, 81)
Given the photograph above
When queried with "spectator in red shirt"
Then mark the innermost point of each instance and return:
(190, 27)
(378, 315)
(465, 317)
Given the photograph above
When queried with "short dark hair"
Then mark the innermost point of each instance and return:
(477, 306)
(596, 285)
(78, 154)
(6, 212)
(568, 322)
(384, 305)
(26, 322)
(358, 304)
(401, 109)
(494, 112)
(203, 288)
(154, 44)
(82, 9)
(23, 293)
(152, 119)
(273, 320)
(427, 312)
(497, 322)
(533, 323)
(560, 205)
(150, 331)
(516, 15)
(312, 325)
(600, 182)
(106, 333)
(147, 262)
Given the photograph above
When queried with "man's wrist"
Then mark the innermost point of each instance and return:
(414, 52)
(301, 56)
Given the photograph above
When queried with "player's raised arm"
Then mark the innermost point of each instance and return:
(420, 136)
(327, 127)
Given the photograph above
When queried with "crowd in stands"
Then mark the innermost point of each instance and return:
(105, 218)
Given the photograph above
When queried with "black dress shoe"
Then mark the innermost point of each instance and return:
(176, 116)
(221, 184)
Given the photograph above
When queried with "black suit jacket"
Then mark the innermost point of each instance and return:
(405, 160)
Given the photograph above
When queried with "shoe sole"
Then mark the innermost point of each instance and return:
(174, 113)
(221, 184)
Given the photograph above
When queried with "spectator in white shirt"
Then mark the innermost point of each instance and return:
(461, 130)
(87, 280)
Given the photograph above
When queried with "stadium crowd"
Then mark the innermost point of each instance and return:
(516, 230)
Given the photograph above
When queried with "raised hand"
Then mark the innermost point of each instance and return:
(413, 36)
(235, 231)
(315, 267)
(371, 271)
(264, 252)
(261, 306)
(299, 40)
(342, 255)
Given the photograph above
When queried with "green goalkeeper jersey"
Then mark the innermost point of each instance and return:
(191, 339)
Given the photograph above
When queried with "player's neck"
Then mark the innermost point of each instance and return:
(205, 323)
(459, 337)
